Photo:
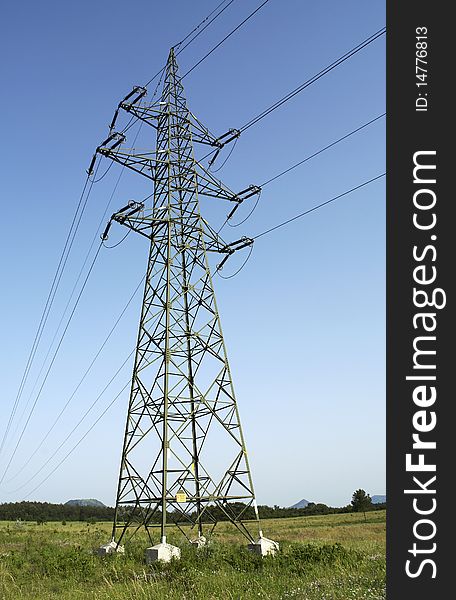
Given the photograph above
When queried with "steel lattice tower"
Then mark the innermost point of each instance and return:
(184, 451)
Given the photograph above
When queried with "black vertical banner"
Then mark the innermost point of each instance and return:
(421, 360)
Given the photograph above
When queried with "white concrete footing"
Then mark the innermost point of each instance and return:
(164, 552)
(199, 542)
(264, 547)
(110, 548)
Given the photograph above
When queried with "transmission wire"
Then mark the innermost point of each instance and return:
(205, 27)
(228, 277)
(224, 39)
(344, 137)
(301, 162)
(194, 38)
(97, 399)
(83, 266)
(89, 368)
(314, 208)
(318, 206)
(306, 84)
(71, 295)
(50, 365)
(313, 79)
(117, 243)
(81, 439)
(50, 299)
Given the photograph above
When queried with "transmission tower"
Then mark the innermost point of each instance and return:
(184, 460)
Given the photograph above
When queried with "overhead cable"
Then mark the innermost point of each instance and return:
(301, 162)
(100, 225)
(81, 381)
(202, 23)
(194, 37)
(313, 79)
(50, 365)
(318, 206)
(225, 38)
(80, 440)
(80, 208)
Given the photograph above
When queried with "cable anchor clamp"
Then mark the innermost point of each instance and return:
(121, 215)
(229, 249)
(119, 137)
(221, 141)
(239, 198)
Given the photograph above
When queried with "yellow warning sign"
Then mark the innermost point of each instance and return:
(181, 497)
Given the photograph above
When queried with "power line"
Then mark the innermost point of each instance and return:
(51, 363)
(100, 225)
(225, 38)
(194, 38)
(306, 84)
(313, 79)
(91, 407)
(301, 162)
(82, 419)
(80, 208)
(365, 183)
(81, 439)
(344, 137)
(314, 208)
(57, 419)
(205, 27)
(92, 181)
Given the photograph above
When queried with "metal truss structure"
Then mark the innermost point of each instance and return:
(184, 459)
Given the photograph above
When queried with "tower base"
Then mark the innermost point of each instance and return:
(110, 548)
(264, 547)
(199, 542)
(163, 552)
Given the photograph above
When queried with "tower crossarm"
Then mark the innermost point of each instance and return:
(208, 185)
(155, 222)
(149, 163)
(151, 114)
(143, 163)
(202, 135)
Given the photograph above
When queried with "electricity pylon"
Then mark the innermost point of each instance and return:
(184, 459)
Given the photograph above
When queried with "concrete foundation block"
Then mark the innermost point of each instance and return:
(199, 542)
(110, 548)
(264, 547)
(163, 552)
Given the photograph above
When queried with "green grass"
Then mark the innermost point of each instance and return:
(332, 557)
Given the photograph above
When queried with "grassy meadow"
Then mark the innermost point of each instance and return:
(330, 557)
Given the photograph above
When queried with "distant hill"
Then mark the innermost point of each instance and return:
(378, 499)
(85, 502)
(301, 504)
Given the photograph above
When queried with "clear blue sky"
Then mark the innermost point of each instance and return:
(304, 321)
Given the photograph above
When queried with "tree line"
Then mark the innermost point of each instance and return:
(45, 511)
